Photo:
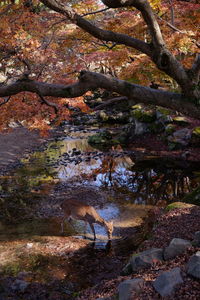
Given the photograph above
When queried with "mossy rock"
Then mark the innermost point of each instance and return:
(103, 116)
(170, 128)
(137, 106)
(193, 197)
(163, 110)
(175, 205)
(146, 116)
(196, 131)
(181, 121)
(103, 138)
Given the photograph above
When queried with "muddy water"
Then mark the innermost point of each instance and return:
(120, 187)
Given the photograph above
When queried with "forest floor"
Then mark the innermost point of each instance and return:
(16, 143)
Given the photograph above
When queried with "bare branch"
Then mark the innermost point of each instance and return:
(147, 14)
(171, 12)
(157, 51)
(51, 104)
(170, 25)
(95, 12)
(106, 35)
(90, 80)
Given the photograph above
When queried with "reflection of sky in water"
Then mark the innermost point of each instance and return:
(85, 169)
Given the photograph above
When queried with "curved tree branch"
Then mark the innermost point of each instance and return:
(144, 7)
(90, 80)
(106, 35)
(157, 50)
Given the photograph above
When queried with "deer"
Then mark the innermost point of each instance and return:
(74, 209)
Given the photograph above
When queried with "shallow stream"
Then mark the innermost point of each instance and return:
(118, 184)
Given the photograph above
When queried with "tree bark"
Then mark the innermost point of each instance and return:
(90, 80)
(156, 49)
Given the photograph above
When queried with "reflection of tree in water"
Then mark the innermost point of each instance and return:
(148, 185)
(23, 189)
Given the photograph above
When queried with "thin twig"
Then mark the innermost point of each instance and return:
(51, 104)
(170, 25)
(95, 12)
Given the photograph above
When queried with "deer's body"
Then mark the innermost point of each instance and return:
(74, 209)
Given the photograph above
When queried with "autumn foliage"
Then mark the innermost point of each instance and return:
(51, 49)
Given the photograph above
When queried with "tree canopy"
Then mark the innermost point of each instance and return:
(55, 51)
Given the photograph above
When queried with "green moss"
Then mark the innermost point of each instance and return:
(137, 106)
(163, 110)
(175, 205)
(193, 197)
(181, 121)
(11, 269)
(146, 116)
(170, 128)
(103, 116)
(103, 138)
(196, 131)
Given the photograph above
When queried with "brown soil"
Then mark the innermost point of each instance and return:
(15, 144)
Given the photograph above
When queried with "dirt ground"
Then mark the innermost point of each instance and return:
(15, 144)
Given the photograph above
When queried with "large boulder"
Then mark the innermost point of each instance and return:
(180, 138)
(146, 259)
(193, 265)
(176, 247)
(166, 282)
(128, 286)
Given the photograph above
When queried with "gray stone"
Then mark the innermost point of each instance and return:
(128, 286)
(166, 282)
(20, 285)
(176, 247)
(140, 128)
(181, 136)
(193, 265)
(146, 259)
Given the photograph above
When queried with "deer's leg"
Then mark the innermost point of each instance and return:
(93, 230)
(85, 227)
(62, 225)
